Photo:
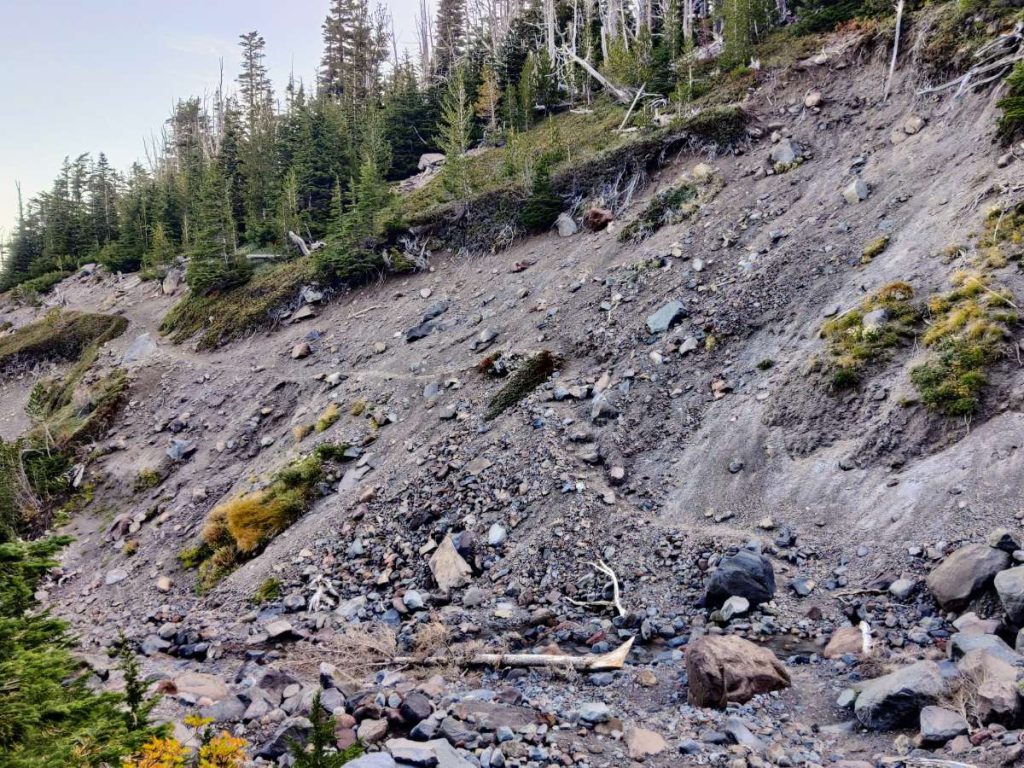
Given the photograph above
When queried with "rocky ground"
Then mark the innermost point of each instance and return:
(685, 481)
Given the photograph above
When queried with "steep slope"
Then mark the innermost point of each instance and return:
(651, 452)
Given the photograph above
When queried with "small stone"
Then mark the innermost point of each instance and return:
(856, 191)
(939, 725)
(595, 712)
(643, 743)
(301, 350)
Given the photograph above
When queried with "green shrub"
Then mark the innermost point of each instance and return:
(852, 346)
(60, 336)
(268, 591)
(241, 527)
(968, 329)
(29, 291)
(1011, 122)
(542, 206)
(49, 716)
(873, 248)
(722, 125)
(527, 377)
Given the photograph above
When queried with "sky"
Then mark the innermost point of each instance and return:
(102, 75)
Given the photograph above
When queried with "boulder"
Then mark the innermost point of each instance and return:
(995, 682)
(596, 219)
(171, 282)
(747, 574)
(965, 573)
(667, 316)
(449, 569)
(845, 640)
(1010, 588)
(200, 685)
(373, 760)
(643, 743)
(939, 725)
(293, 729)
(429, 160)
(856, 191)
(726, 668)
(897, 699)
(783, 153)
(566, 226)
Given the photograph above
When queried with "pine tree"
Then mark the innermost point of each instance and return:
(488, 98)
(409, 119)
(213, 265)
(319, 751)
(455, 130)
(252, 178)
(449, 38)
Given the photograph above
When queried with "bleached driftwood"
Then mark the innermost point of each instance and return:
(621, 94)
(613, 580)
(895, 50)
(632, 106)
(591, 663)
(994, 61)
(304, 248)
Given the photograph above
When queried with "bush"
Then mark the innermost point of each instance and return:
(1011, 122)
(29, 291)
(60, 336)
(328, 418)
(268, 591)
(968, 331)
(241, 527)
(853, 346)
(208, 276)
(49, 716)
(542, 206)
(669, 207)
(527, 377)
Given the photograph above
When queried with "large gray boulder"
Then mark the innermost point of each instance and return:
(896, 699)
(1010, 588)
(965, 573)
(939, 725)
(667, 316)
(746, 574)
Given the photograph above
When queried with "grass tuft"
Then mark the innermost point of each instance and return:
(527, 377)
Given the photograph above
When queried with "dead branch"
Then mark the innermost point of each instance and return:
(895, 50)
(621, 94)
(994, 59)
(613, 580)
(632, 106)
(606, 661)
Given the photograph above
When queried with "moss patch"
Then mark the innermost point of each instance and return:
(257, 305)
(527, 377)
(853, 344)
(241, 527)
(58, 337)
(968, 328)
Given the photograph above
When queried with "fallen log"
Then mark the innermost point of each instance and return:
(603, 662)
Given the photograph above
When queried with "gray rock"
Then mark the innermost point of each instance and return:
(293, 729)
(413, 600)
(595, 712)
(901, 589)
(738, 731)
(874, 319)
(856, 191)
(1010, 588)
(962, 643)
(373, 760)
(229, 710)
(746, 574)
(415, 708)
(1002, 538)
(496, 535)
(783, 153)
(115, 576)
(734, 606)
(566, 226)
(178, 450)
(939, 725)
(896, 699)
(666, 317)
(965, 573)
(141, 348)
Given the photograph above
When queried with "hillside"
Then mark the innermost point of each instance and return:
(811, 366)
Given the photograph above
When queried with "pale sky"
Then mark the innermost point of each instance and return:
(100, 75)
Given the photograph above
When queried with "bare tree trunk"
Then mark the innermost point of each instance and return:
(895, 50)
(621, 94)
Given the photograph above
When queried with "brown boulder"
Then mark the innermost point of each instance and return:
(843, 641)
(596, 219)
(724, 668)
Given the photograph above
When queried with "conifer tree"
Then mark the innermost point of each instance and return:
(456, 127)
(213, 265)
(488, 98)
(449, 37)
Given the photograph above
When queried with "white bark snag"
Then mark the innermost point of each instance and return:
(895, 49)
(299, 243)
(621, 94)
(606, 661)
(632, 106)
